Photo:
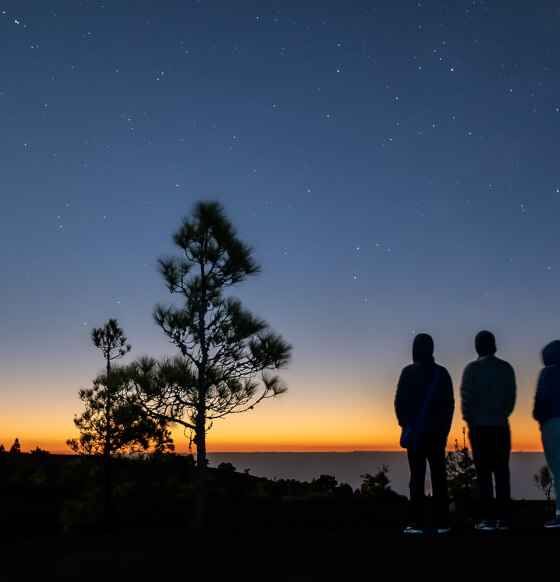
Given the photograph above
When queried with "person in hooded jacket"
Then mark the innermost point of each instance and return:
(488, 391)
(547, 412)
(424, 400)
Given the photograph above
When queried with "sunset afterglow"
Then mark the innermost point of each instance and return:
(393, 166)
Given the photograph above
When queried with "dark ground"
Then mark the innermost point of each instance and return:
(50, 529)
(299, 553)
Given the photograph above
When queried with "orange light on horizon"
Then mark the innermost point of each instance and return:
(59, 447)
(269, 434)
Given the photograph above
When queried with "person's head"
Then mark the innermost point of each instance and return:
(423, 348)
(551, 353)
(485, 343)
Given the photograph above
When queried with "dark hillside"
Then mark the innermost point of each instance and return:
(257, 529)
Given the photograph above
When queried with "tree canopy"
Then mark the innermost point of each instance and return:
(131, 430)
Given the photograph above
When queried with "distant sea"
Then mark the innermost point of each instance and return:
(347, 468)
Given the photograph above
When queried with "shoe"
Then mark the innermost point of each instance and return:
(554, 522)
(485, 525)
(502, 525)
(444, 530)
(413, 529)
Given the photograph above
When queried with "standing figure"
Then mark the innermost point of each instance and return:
(488, 397)
(547, 412)
(424, 405)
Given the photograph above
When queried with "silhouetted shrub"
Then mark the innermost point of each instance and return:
(461, 478)
(378, 487)
(15, 448)
(543, 482)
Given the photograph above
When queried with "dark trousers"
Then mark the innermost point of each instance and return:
(431, 448)
(491, 446)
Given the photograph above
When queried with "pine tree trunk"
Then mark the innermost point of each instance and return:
(200, 475)
(107, 480)
(107, 487)
(200, 423)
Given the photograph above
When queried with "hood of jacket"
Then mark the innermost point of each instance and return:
(551, 353)
(423, 348)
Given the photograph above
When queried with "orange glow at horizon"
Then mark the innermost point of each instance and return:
(525, 438)
(306, 420)
(58, 446)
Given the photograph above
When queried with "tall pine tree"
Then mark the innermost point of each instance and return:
(227, 355)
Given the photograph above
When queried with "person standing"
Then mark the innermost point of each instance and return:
(547, 412)
(487, 399)
(424, 405)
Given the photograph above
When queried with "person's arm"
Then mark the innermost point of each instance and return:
(401, 400)
(510, 393)
(449, 398)
(538, 408)
(467, 393)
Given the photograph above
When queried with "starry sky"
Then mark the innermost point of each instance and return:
(394, 165)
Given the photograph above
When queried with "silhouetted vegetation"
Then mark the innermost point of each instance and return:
(544, 482)
(225, 352)
(131, 430)
(377, 487)
(38, 451)
(461, 478)
(62, 495)
(113, 421)
(15, 448)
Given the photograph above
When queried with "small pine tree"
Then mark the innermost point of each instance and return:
(461, 474)
(378, 487)
(16, 447)
(38, 451)
(226, 468)
(543, 481)
(325, 483)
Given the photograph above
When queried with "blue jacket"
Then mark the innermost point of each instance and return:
(547, 397)
(413, 387)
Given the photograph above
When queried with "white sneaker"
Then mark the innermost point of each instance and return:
(554, 522)
(413, 529)
(485, 525)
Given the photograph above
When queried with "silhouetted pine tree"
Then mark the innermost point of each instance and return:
(225, 351)
(461, 475)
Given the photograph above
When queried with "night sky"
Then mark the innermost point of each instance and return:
(394, 164)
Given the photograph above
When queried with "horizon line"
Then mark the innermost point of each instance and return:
(280, 452)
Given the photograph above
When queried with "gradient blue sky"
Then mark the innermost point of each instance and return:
(394, 164)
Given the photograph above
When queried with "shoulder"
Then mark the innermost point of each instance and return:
(445, 380)
(471, 367)
(406, 372)
(502, 364)
(550, 373)
(407, 369)
(443, 372)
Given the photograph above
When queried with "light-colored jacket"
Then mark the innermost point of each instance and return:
(488, 392)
